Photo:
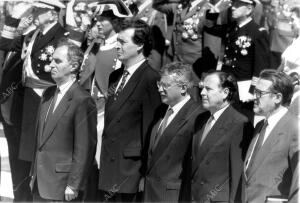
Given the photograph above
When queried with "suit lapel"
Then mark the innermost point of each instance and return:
(171, 131)
(115, 105)
(58, 113)
(46, 102)
(214, 136)
(275, 136)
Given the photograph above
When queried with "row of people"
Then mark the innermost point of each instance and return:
(127, 118)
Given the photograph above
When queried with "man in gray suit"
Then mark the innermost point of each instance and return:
(171, 134)
(272, 161)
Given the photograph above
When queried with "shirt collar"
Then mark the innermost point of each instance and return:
(110, 43)
(49, 27)
(218, 113)
(180, 104)
(64, 87)
(274, 118)
(134, 67)
(111, 39)
(245, 22)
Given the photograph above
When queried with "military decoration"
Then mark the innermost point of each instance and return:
(47, 53)
(243, 42)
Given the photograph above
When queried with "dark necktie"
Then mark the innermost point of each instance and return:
(123, 80)
(51, 107)
(257, 146)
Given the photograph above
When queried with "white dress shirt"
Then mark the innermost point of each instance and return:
(130, 70)
(176, 108)
(62, 91)
(273, 120)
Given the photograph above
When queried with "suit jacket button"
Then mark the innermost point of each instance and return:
(112, 159)
(201, 183)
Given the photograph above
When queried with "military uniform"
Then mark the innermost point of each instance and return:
(158, 23)
(184, 29)
(41, 51)
(246, 49)
(98, 63)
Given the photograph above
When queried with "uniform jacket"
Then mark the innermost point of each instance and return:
(41, 54)
(274, 171)
(126, 123)
(66, 143)
(181, 49)
(244, 63)
(98, 64)
(217, 165)
(158, 23)
(165, 160)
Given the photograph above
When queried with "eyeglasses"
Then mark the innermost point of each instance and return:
(163, 85)
(258, 93)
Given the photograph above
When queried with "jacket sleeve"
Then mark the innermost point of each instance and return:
(262, 54)
(238, 149)
(294, 164)
(85, 139)
(9, 40)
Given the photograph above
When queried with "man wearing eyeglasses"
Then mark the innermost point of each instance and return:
(271, 164)
(220, 143)
(171, 134)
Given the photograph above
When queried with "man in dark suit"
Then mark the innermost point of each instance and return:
(171, 134)
(219, 144)
(66, 132)
(129, 109)
(272, 161)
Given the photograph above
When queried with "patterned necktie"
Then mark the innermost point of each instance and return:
(120, 88)
(257, 146)
(207, 128)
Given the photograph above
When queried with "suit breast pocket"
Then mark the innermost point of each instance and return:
(63, 167)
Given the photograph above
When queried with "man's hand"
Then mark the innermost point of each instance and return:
(222, 5)
(70, 194)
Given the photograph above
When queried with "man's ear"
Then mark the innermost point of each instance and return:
(183, 90)
(140, 48)
(278, 98)
(226, 93)
(75, 67)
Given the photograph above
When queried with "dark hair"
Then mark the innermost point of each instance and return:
(281, 83)
(296, 10)
(228, 81)
(74, 53)
(109, 15)
(141, 34)
(182, 73)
